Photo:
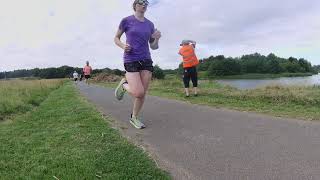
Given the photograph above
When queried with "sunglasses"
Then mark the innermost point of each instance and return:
(143, 2)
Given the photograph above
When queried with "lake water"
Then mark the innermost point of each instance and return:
(285, 81)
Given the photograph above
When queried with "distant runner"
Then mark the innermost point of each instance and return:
(75, 76)
(87, 72)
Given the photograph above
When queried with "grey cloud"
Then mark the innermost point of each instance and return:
(234, 28)
(229, 27)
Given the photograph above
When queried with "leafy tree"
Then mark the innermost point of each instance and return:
(118, 72)
(158, 73)
(316, 68)
(203, 65)
(274, 67)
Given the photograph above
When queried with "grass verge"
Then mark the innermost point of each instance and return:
(294, 102)
(66, 138)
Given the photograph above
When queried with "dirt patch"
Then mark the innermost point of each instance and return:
(107, 77)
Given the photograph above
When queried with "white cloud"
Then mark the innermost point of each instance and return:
(46, 33)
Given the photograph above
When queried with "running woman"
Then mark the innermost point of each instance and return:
(140, 33)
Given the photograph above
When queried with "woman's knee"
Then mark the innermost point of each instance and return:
(138, 93)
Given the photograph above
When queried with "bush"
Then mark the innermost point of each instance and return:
(118, 72)
(158, 73)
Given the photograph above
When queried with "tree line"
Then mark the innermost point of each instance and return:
(67, 71)
(317, 68)
(45, 73)
(254, 63)
(213, 65)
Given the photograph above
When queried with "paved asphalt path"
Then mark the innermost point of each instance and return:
(200, 142)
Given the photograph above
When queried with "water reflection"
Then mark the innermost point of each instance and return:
(286, 81)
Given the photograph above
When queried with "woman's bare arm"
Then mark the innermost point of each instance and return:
(117, 39)
(154, 44)
(154, 41)
(125, 47)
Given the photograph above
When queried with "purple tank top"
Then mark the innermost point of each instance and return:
(138, 35)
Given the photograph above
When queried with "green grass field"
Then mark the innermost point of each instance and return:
(66, 138)
(19, 96)
(295, 102)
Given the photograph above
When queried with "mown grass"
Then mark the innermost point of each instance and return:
(20, 96)
(292, 101)
(66, 138)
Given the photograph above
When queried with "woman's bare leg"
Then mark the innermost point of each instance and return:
(138, 102)
(136, 89)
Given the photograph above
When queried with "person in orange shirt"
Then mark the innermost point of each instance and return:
(87, 72)
(190, 61)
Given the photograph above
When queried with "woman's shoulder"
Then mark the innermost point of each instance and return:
(149, 22)
(128, 17)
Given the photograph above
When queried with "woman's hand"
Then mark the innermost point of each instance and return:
(126, 48)
(156, 34)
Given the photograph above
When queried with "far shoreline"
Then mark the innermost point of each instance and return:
(258, 76)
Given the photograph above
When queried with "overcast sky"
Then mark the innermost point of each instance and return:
(52, 33)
